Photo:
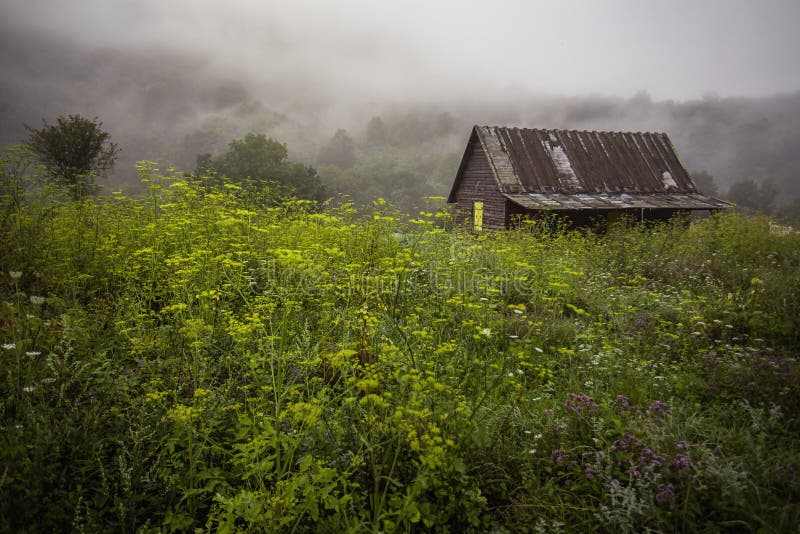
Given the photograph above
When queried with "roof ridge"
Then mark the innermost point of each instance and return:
(576, 130)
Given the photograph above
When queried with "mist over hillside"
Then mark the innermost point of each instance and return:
(169, 105)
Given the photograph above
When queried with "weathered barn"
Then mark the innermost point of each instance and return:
(508, 173)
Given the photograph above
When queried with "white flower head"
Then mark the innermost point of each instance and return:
(9, 346)
(15, 275)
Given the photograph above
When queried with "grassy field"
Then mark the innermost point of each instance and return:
(209, 360)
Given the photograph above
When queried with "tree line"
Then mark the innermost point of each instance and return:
(75, 151)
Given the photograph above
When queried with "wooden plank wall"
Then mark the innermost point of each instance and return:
(478, 183)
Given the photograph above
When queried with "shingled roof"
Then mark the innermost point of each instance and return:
(569, 169)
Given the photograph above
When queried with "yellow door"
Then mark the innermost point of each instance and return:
(477, 212)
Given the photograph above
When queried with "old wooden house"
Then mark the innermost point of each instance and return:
(512, 173)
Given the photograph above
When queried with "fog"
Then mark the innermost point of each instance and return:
(673, 50)
(172, 79)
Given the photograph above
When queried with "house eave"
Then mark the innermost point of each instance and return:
(622, 201)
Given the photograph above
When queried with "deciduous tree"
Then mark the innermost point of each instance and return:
(747, 193)
(340, 151)
(705, 183)
(264, 161)
(75, 150)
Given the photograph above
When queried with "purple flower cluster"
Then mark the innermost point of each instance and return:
(627, 443)
(785, 474)
(658, 410)
(558, 457)
(580, 404)
(682, 465)
(638, 460)
(591, 473)
(622, 404)
(666, 494)
(589, 456)
(648, 463)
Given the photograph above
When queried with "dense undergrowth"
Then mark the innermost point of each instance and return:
(205, 359)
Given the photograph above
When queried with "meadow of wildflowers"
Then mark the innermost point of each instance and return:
(215, 359)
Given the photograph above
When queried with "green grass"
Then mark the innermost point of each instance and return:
(209, 359)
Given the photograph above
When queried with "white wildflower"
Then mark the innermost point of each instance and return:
(32, 353)
(9, 346)
(15, 275)
(36, 300)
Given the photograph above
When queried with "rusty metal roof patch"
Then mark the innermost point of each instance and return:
(571, 161)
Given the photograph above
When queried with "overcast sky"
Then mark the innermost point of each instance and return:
(677, 49)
